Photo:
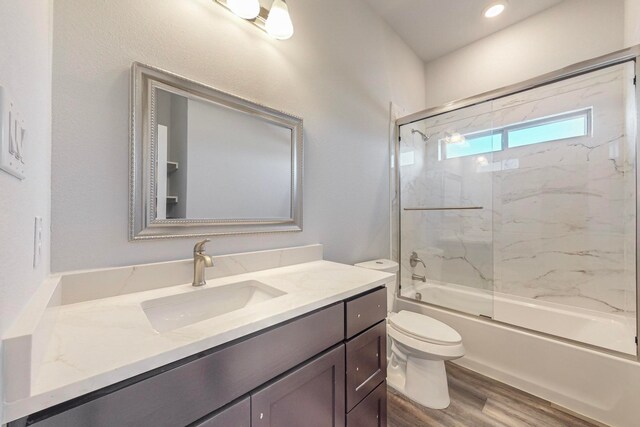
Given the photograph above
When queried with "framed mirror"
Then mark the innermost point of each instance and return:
(205, 162)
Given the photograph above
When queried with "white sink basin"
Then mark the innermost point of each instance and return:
(176, 311)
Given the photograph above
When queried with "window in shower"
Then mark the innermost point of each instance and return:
(531, 220)
(554, 128)
(471, 144)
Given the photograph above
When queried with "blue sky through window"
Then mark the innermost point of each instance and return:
(567, 128)
(474, 145)
(569, 125)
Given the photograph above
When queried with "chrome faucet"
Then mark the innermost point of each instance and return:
(413, 262)
(200, 261)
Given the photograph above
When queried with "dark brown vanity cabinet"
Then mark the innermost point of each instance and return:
(323, 369)
(372, 411)
(366, 363)
(366, 360)
(364, 311)
(312, 396)
(236, 415)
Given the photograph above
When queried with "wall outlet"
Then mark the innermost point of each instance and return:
(12, 132)
(37, 241)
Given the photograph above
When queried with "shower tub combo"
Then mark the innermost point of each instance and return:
(517, 226)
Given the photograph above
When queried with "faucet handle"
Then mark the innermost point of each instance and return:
(413, 260)
(198, 248)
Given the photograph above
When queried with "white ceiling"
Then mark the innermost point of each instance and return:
(433, 28)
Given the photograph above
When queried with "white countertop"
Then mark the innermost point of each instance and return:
(100, 342)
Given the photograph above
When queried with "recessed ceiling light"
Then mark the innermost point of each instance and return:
(494, 9)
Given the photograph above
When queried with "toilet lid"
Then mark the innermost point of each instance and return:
(424, 328)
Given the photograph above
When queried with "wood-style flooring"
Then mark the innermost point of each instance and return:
(478, 401)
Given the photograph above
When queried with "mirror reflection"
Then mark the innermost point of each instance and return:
(214, 162)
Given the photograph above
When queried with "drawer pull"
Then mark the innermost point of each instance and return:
(261, 415)
(358, 315)
(367, 380)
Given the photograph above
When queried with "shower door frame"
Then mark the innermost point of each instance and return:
(578, 69)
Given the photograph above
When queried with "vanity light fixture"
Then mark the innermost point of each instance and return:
(279, 23)
(276, 22)
(247, 9)
(494, 9)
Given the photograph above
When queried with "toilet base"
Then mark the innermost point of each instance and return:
(424, 381)
(396, 373)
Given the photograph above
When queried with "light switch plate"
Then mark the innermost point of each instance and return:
(12, 132)
(37, 241)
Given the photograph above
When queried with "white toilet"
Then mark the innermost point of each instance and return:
(419, 345)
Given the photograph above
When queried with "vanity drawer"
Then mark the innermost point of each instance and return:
(365, 311)
(372, 411)
(366, 363)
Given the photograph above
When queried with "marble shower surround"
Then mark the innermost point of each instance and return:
(558, 218)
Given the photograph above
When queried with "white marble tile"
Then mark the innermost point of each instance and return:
(559, 217)
(103, 283)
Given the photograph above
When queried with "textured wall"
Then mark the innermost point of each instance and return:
(25, 70)
(631, 23)
(339, 72)
(572, 31)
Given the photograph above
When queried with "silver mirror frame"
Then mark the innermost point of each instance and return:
(143, 224)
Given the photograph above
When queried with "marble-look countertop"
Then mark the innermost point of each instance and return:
(100, 342)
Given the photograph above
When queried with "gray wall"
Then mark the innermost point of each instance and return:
(239, 166)
(339, 72)
(572, 31)
(172, 112)
(25, 70)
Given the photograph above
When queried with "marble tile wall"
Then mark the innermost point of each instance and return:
(558, 218)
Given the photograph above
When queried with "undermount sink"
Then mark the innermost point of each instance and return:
(176, 311)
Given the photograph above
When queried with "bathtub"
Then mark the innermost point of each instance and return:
(598, 384)
(614, 332)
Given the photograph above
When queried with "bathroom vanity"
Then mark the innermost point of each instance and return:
(321, 361)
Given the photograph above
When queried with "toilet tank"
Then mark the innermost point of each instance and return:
(387, 266)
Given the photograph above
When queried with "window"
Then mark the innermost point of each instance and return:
(469, 145)
(553, 129)
(568, 125)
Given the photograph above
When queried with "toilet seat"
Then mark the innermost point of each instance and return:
(424, 328)
(411, 346)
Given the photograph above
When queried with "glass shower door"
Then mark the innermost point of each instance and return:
(446, 225)
(523, 208)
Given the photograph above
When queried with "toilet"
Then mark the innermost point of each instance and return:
(418, 345)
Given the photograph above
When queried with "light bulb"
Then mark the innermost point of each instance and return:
(494, 9)
(247, 9)
(454, 138)
(279, 23)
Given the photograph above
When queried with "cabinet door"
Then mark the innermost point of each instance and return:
(310, 396)
(372, 411)
(236, 415)
(366, 363)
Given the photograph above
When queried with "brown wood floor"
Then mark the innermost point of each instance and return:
(478, 401)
